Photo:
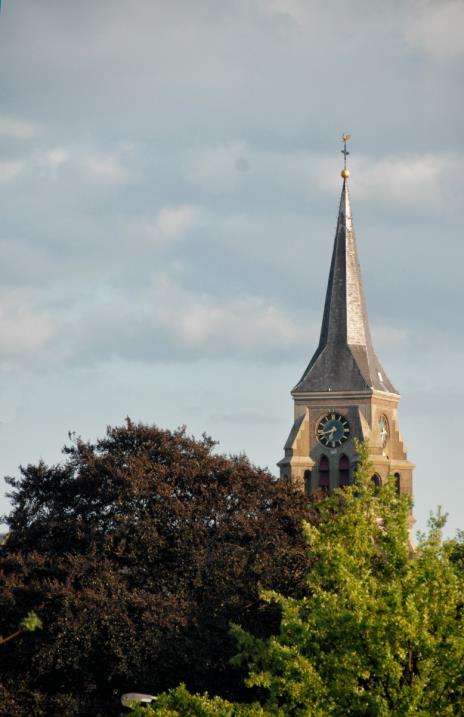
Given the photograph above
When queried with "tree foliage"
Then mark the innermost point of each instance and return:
(379, 632)
(137, 552)
(30, 623)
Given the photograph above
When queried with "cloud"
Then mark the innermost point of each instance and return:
(173, 222)
(169, 321)
(150, 232)
(147, 233)
(189, 70)
(240, 326)
(17, 128)
(105, 168)
(247, 174)
(170, 174)
(293, 9)
(10, 170)
(25, 330)
(437, 28)
(422, 181)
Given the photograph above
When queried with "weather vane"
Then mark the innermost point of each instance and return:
(345, 172)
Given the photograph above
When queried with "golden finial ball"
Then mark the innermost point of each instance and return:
(345, 173)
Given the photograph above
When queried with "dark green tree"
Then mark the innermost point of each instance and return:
(137, 552)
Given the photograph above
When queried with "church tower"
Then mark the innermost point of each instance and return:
(344, 393)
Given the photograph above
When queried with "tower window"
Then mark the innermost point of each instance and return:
(324, 473)
(307, 482)
(344, 471)
(397, 482)
(377, 481)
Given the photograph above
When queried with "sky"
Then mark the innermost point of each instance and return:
(169, 187)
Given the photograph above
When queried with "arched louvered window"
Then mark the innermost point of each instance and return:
(324, 473)
(307, 482)
(377, 481)
(397, 482)
(344, 471)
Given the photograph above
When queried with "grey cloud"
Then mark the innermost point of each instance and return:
(188, 70)
(169, 322)
(169, 182)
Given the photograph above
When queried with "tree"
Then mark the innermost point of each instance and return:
(137, 552)
(379, 632)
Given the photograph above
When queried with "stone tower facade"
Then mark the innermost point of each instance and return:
(344, 393)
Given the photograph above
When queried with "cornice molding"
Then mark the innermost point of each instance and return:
(334, 396)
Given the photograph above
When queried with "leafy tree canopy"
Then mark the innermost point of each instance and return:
(379, 632)
(137, 552)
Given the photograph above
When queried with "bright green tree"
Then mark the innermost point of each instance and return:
(380, 631)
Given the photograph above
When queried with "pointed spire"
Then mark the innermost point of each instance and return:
(345, 359)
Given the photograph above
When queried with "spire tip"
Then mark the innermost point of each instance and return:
(345, 172)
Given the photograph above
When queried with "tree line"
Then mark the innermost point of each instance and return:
(158, 565)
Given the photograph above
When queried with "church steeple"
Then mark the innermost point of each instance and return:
(344, 394)
(345, 358)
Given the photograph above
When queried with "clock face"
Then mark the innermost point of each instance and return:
(383, 430)
(333, 430)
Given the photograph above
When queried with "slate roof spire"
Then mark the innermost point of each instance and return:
(345, 359)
